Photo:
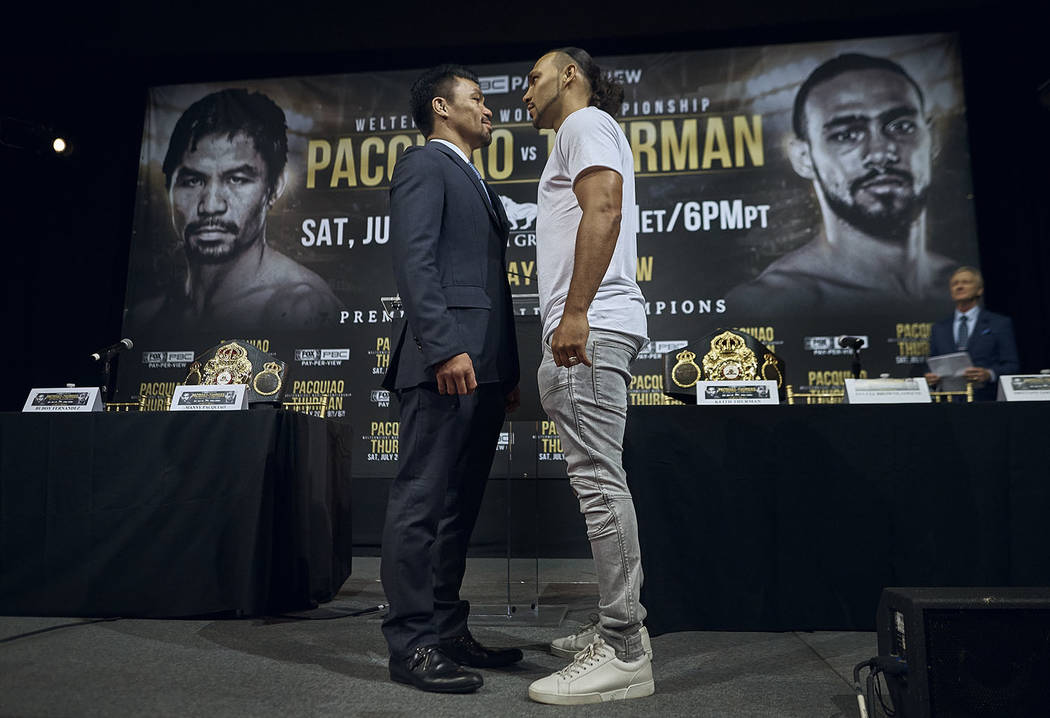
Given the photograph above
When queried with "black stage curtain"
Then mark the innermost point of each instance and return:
(158, 514)
(795, 518)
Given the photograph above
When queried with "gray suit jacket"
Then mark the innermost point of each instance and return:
(448, 244)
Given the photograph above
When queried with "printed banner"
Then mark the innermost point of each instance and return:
(798, 211)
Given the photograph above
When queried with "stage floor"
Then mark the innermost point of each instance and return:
(328, 663)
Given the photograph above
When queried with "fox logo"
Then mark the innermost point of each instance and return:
(521, 215)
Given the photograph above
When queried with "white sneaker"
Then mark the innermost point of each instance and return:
(586, 634)
(595, 675)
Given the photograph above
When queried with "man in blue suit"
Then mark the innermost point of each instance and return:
(454, 369)
(986, 336)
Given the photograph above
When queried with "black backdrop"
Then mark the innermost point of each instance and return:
(68, 220)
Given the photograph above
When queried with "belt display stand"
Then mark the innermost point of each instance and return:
(522, 600)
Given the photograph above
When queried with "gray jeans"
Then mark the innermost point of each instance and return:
(589, 408)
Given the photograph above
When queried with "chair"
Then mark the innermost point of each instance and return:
(159, 401)
(957, 397)
(125, 405)
(830, 396)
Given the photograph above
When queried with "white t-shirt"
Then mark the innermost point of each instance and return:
(588, 138)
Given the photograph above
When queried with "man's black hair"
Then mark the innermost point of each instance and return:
(435, 82)
(229, 112)
(849, 62)
(605, 94)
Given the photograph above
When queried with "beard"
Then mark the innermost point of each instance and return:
(538, 119)
(888, 216)
(213, 252)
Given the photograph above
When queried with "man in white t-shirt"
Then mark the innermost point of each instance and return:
(594, 325)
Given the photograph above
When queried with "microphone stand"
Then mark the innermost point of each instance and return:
(106, 377)
(855, 366)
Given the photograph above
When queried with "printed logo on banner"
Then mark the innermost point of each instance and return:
(380, 397)
(382, 355)
(658, 307)
(829, 346)
(656, 349)
(502, 84)
(495, 84)
(648, 390)
(504, 441)
(367, 316)
(382, 440)
(167, 359)
(522, 215)
(913, 342)
(330, 391)
(707, 216)
(322, 357)
(824, 379)
(630, 76)
(766, 334)
(549, 442)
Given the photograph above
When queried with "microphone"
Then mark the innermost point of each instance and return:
(113, 349)
(853, 343)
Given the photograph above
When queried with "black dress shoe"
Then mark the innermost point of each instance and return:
(428, 669)
(468, 652)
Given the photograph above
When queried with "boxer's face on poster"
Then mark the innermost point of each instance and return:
(870, 149)
(219, 197)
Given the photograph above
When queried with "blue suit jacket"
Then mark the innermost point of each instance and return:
(991, 346)
(448, 243)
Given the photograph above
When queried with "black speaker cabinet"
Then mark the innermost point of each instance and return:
(970, 651)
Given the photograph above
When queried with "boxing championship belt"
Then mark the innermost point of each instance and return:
(724, 354)
(238, 362)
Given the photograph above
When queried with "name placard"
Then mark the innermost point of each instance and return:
(763, 391)
(209, 397)
(910, 390)
(1024, 387)
(64, 399)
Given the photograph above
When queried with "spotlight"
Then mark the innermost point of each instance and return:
(60, 145)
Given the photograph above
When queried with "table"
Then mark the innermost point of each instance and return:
(795, 517)
(172, 514)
